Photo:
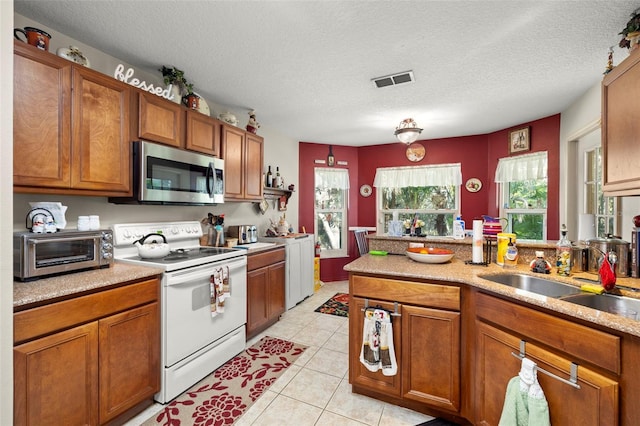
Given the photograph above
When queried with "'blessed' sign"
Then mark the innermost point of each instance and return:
(127, 77)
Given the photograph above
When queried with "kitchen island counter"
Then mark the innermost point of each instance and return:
(457, 271)
(47, 290)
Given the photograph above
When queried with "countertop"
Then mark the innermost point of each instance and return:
(45, 290)
(457, 271)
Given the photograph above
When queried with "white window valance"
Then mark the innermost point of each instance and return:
(522, 167)
(331, 178)
(411, 176)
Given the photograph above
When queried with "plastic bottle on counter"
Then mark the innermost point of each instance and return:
(458, 228)
(511, 256)
(563, 254)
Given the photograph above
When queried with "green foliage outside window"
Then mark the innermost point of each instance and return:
(434, 205)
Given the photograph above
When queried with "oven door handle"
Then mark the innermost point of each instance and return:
(35, 241)
(202, 273)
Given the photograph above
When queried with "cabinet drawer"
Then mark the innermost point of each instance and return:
(576, 340)
(422, 294)
(47, 319)
(260, 260)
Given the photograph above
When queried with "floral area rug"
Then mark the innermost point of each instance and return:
(337, 305)
(223, 396)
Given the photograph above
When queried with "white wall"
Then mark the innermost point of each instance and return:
(6, 213)
(577, 120)
(279, 150)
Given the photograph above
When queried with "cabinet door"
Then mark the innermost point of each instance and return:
(41, 119)
(203, 133)
(232, 152)
(431, 357)
(276, 291)
(359, 375)
(595, 403)
(100, 142)
(129, 359)
(160, 120)
(56, 378)
(257, 294)
(254, 158)
(621, 128)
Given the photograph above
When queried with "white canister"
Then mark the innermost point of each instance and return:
(83, 223)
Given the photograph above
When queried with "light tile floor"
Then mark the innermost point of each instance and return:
(315, 390)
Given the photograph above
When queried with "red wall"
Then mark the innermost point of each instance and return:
(478, 156)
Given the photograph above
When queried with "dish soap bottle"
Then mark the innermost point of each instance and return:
(458, 228)
(563, 254)
(511, 256)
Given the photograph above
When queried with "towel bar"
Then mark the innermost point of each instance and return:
(393, 314)
(573, 378)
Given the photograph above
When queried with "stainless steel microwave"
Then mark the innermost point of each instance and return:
(167, 175)
(39, 255)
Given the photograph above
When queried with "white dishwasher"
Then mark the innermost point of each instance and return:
(299, 253)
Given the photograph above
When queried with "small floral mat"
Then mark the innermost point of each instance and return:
(337, 305)
(223, 396)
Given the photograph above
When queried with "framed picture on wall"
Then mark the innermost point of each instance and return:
(519, 140)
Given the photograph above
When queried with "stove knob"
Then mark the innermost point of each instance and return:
(175, 230)
(107, 255)
(126, 233)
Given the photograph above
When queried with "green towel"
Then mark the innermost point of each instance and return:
(524, 405)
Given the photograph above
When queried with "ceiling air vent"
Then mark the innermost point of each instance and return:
(393, 79)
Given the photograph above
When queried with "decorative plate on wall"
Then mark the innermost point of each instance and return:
(365, 190)
(415, 152)
(473, 185)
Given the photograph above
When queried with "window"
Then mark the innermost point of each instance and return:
(331, 196)
(523, 194)
(429, 193)
(604, 209)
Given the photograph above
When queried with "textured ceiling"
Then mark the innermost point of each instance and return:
(306, 66)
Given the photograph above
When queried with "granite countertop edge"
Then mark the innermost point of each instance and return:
(457, 271)
(38, 292)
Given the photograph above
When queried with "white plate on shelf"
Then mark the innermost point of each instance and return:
(429, 254)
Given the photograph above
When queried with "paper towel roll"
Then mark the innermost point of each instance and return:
(476, 249)
(586, 227)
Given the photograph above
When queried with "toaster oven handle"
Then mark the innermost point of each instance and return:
(35, 241)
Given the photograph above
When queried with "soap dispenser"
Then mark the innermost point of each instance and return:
(511, 256)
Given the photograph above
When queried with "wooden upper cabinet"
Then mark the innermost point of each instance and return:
(160, 120)
(71, 127)
(233, 154)
(621, 128)
(101, 158)
(41, 119)
(203, 133)
(254, 158)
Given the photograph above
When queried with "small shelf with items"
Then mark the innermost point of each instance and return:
(271, 193)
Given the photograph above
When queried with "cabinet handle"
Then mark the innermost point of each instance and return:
(573, 378)
(393, 314)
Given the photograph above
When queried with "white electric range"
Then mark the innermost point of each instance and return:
(199, 332)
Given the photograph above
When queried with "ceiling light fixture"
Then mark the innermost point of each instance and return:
(407, 131)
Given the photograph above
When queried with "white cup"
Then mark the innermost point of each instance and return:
(94, 222)
(83, 223)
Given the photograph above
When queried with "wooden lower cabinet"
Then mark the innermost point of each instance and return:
(56, 378)
(265, 290)
(595, 403)
(553, 344)
(426, 338)
(92, 373)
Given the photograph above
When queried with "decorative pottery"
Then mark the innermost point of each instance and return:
(73, 54)
(34, 37)
(192, 101)
(228, 118)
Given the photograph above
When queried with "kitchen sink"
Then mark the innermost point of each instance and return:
(625, 306)
(533, 284)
